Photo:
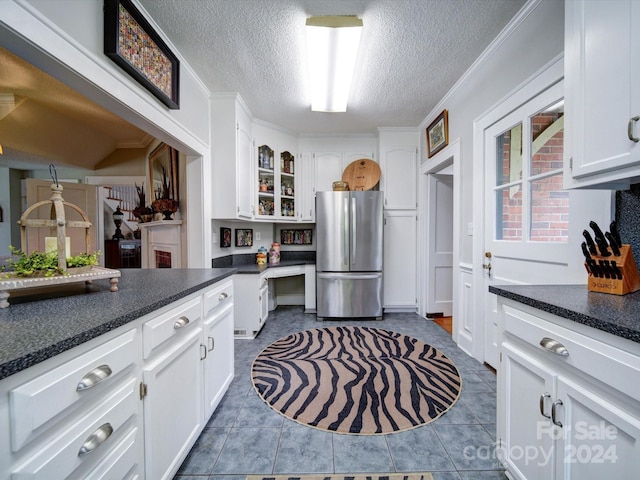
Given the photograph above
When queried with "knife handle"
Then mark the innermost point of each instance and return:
(605, 268)
(590, 243)
(613, 228)
(613, 243)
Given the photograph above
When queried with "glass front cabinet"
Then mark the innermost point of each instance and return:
(276, 188)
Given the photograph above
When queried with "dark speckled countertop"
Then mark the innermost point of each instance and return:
(35, 329)
(615, 314)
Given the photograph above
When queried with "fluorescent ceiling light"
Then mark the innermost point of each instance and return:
(332, 45)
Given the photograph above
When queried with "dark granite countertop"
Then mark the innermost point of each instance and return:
(246, 263)
(35, 329)
(615, 314)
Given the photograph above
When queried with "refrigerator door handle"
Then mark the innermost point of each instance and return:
(354, 230)
(345, 252)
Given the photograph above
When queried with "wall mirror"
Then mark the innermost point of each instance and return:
(163, 168)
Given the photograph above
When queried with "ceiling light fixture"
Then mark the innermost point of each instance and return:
(332, 46)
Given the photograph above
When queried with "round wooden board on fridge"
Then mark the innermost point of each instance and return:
(363, 174)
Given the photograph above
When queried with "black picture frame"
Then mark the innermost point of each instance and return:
(296, 236)
(438, 134)
(225, 237)
(244, 237)
(127, 32)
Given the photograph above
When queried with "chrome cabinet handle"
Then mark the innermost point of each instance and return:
(542, 402)
(95, 439)
(203, 349)
(181, 323)
(632, 122)
(553, 413)
(554, 346)
(94, 377)
(223, 296)
(212, 343)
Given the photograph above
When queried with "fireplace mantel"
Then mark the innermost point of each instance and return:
(161, 244)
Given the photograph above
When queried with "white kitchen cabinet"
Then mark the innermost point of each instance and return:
(127, 404)
(251, 314)
(399, 180)
(567, 401)
(70, 415)
(232, 164)
(173, 390)
(218, 343)
(602, 101)
(399, 262)
(276, 188)
(306, 191)
(329, 166)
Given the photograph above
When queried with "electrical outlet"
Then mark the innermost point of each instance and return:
(258, 236)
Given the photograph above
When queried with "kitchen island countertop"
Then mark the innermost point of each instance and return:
(615, 314)
(35, 329)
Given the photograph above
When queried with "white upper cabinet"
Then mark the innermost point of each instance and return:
(231, 155)
(399, 177)
(306, 189)
(399, 165)
(602, 98)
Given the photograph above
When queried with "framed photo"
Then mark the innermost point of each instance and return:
(225, 237)
(244, 237)
(438, 134)
(131, 42)
(296, 236)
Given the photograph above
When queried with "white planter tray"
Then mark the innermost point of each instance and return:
(74, 275)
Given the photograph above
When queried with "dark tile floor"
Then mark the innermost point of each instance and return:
(245, 436)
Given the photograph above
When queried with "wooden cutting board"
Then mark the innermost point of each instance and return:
(363, 174)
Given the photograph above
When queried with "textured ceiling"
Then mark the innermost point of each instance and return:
(411, 54)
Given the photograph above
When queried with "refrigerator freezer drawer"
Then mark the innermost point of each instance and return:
(349, 295)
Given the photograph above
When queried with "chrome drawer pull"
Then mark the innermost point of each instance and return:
(95, 439)
(94, 377)
(223, 296)
(553, 413)
(181, 323)
(212, 343)
(632, 122)
(554, 346)
(542, 399)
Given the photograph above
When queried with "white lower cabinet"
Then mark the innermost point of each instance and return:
(173, 412)
(400, 266)
(251, 314)
(567, 401)
(129, 404)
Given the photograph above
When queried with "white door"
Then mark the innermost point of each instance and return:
(526, 211)
(440, 245)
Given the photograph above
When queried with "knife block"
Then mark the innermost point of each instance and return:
(630, 281)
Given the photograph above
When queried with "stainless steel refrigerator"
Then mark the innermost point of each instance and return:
(349, 228)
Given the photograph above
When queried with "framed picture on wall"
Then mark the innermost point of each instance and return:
(438, 134)
(132, 43)
(244, 237)
(225, 237)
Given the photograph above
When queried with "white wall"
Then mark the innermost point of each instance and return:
(346, 143)
(538, 38)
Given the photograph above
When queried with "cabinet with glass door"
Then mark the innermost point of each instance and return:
(287, 186)
(266, 182)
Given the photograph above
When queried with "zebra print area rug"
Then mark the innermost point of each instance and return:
(356, 380)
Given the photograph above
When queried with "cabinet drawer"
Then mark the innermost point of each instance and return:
(87, 442)
(170, 325)
(608, 364)
(220, 295)
(122, 460)
(86, 377)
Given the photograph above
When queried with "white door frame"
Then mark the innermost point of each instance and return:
(447, 158)
(552, 73)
